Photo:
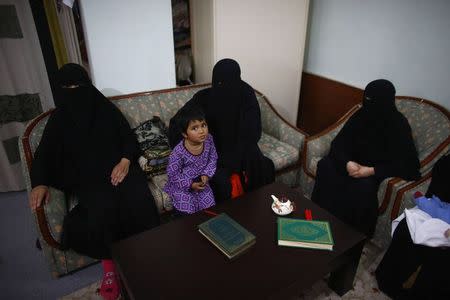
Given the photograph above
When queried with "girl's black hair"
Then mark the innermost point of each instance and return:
(188, 114)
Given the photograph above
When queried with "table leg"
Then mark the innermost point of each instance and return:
(341, 279)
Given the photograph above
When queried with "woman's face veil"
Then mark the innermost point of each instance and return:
(75, 94)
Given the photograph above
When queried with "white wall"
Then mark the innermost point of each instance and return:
(267, 38)
(130, 44)
(405, 41)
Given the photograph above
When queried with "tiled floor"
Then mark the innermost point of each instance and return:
(365, 286)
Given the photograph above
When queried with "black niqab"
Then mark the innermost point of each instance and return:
(224, 110)
(77, 96)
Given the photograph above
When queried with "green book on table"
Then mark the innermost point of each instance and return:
(304, 234)
(227, 235)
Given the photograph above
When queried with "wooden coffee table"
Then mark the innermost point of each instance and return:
(175, 261)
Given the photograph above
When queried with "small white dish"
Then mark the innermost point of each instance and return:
(282, 211)
(281, 208)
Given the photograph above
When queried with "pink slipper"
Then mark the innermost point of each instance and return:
(110, 288)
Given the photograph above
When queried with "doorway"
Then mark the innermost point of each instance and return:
(182, 42)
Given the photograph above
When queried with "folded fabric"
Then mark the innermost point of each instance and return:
(434, 207)
(424, 229)
(153, 141)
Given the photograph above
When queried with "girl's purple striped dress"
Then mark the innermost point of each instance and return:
(183, 168)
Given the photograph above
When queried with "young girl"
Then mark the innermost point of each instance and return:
(191, 164)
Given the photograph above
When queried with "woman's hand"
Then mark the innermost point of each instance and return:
(38, 194)
(120, 171)
(352, 167)
(356, 170)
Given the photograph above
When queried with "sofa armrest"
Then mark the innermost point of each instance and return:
(404, 196)
(275, 125)
(54, 213)
(318, 145)
(49, 217)
(427, 163)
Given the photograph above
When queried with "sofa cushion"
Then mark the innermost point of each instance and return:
(282, 154)
(138, 109)
(170, 102)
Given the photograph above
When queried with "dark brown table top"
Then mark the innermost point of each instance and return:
(175, 261)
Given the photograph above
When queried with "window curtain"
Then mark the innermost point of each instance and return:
(55, 32)
(69, 32)
(24, 87)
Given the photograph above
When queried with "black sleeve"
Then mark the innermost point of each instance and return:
(440, 174)
(48, 155)
(341, 146)
(404, 162)
(129, 144)
(250, 126)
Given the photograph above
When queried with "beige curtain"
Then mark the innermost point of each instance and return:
(55, 32)
(24, 86)
(69, 34)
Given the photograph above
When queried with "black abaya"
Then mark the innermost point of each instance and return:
(77, 153)
(403, 257)
(377, 136)
(234, 120)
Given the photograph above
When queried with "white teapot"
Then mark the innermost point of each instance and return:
(282, 206)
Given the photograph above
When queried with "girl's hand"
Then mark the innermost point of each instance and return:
(38, 194)
(120, 171)
(205, 179)
(447, 233)
(198, 186)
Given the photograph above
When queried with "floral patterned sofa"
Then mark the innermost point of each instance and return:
(280, 141)
(430, 124)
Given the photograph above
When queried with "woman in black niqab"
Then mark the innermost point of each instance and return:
(88, 150)
(374, 144)
(234, 120)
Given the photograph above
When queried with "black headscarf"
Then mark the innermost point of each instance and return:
(224, 109)
(76, 95)
(378, 135)
(379, 100)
